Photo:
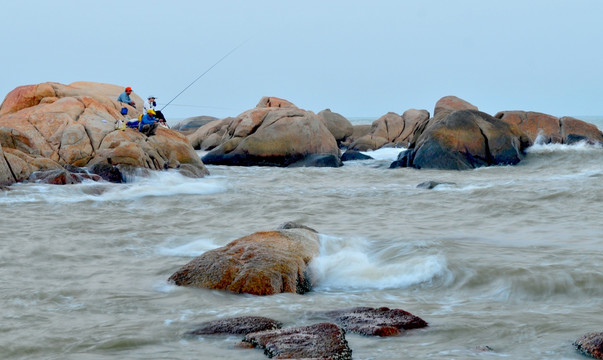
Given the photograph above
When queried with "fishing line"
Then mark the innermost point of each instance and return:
(206, 71)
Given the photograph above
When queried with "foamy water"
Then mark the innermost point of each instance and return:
(506, 257)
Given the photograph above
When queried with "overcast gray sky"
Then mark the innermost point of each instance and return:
(358, 58)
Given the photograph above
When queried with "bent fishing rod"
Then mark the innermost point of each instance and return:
(206, 71)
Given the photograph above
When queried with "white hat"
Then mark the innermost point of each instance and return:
(151, 97)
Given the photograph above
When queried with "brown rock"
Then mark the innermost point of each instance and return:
(271, 101)
(411, 118)
(574, 130)
(358, 132)
(450, 103)
(591, 344)
(319, 341)
(383, 131)
(379, 322)
(338, 125)
(263, 263)
(534, 124)
(236, 326)
(272, 136)
(190, 125)
(6, 175)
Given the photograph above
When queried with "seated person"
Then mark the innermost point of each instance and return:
(124, 97)
(151, 104)
(148, 123)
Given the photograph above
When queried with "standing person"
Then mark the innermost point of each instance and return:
(148, 123)
(151, 104)
(124, 97)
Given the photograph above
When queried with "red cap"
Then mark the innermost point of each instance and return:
(128, 89)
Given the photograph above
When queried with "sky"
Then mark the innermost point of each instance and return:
(357, 58)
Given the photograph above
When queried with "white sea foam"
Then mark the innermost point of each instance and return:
(349, 264)
(190, 249)
(390, 154)
(579, 147)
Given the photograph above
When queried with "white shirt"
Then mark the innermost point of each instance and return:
(148, 105)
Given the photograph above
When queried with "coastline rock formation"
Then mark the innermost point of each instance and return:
(274, 133)
(391, 130)
(318, 341)
(464, 139)
(543, 128)
(50, 125)
(263, 263)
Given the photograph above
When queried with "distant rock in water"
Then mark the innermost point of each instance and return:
(191, 124)
(350, 155)
(318, 341)
(263, 263)
(236, 326)
(338, 125)
(274, 133)
(432, 184)
(591, 344)
(464, 139)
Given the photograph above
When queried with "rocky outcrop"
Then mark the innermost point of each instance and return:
(318, 341)
(391, 130)
(544, 128)
(236, 326)
(591, 344)
(190, 125)
(451, 103)
(263, 263)
(338, 125)
(379, 322)
(464, 139)
(50, 125)
(274, 133)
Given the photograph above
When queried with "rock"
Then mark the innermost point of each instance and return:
(574, 130)
(74, 124)
(275, 133)
(236, 326)
(6, 175)
(263, 263)
(350, 155)
(432, 184)
(539, 127)
(451, 103)
(317, 160)
(191, 124)
(591, 344)
(61, 177)
(209, 135)
(339, 126)
(412, 119)
(358, 132)
(379, 322)
(108, 172)
(318, 341)
(464, 139)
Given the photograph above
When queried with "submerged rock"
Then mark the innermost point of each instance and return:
(236, 326)
(379, 322)
(263, 263)
(591, 344)
(432, 184)
(350, 155)
(318, 341)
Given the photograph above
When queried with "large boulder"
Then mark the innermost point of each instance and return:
(464, 139)
(263, 263)
(451, 103)
(391, 129)
(544, 128)
(51, 125)
(338, 125)
(318, 341)
(274, 133)
(191, 124)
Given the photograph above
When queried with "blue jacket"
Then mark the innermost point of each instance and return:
(125, 98)
(146, 120)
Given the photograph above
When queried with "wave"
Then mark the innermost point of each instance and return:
(157, 184)
(348, 264)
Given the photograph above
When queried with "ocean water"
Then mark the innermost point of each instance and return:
(506, 257)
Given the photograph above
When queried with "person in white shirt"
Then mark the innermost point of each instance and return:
(150, 104)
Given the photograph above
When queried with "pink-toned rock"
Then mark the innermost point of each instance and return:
(76, 125)
(383, 131)
(574, 130)
(591, 344)
(263, 263)
(271, 101)
(338, 125)
(6, 175)
(534, 124)
(412, 119)
(318, 341)
(450, 103)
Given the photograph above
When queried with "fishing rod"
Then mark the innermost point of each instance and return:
(206, 71)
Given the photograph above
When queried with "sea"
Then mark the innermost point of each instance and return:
(503, 262)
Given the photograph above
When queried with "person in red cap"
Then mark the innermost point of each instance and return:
(124, 97)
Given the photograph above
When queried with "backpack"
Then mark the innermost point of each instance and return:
(134, 124)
